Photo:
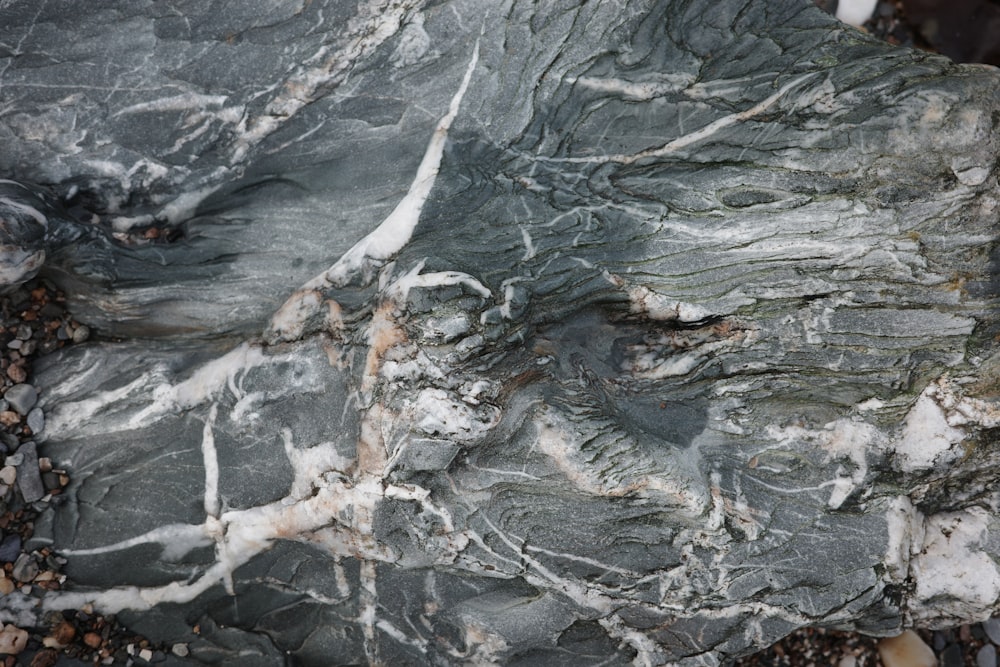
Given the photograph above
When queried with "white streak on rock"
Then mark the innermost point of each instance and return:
(694, 137)
(953, 574)
(188, 100)
(177, 539)
(928, 440)
(210, 458)
(395, 231)
(386, 240)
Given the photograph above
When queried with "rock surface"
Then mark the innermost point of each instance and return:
(457, 332)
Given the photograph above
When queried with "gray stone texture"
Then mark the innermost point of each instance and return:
(522, 333)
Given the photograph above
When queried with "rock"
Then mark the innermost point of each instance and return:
(93, 640)
(25, 568)
(13, 640)
(10, 548)
(21, 397)
(953, 656)
(6, 586)
(906, 650)
(80, 334)
(992, 628)
(29, 479)
(569, 325)
(180, 650)
(8, 474)
(986, 656)
(36, 420)
(17, 373)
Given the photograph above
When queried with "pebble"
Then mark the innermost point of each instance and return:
(8, 474)
(21, 397)
(25, 568)
(17, 373)
(80, 334)
(906, 650)
(952, 656)
(13, 640)
(29, 478)
(987, 656)
(180, 650)
(9, 418)
(10, 548)
(36, 420)
(992, 628)
(6, 586)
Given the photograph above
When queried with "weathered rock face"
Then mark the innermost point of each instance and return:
(592, 332)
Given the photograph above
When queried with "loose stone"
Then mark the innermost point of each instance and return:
(8, 474)
(25, 568)
(952, 656)
(22, 397)
(80, 334)
(29, 478)
(13, 640)
(9, 418)
(51, 481)
(36, 420)
(17, 373)
(180, 650)
(10, 548)
(6, 586)
(906, 650)
(987, 656)
(992, 628)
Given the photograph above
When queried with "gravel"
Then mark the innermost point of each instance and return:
(21, 398)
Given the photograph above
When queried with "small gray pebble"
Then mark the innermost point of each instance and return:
(15, 344)
(10, 548)
(940, 641)
(29, 477)
(80, 334)
(23, 332)
(62, 333)
(22, 397)
(51, 481)
(9, 439)
(952, 656)
(992, 628)
(987, 656)
(36, 420)
(179, 650)
(28, 347)
(25, 568)
(15, 459)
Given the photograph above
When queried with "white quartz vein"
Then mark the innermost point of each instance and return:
(691, 138)
(392, 234)
(375, 22)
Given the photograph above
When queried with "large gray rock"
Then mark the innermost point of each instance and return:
(527, 333)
